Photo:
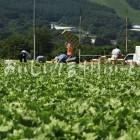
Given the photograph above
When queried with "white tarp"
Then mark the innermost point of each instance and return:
(137, 50)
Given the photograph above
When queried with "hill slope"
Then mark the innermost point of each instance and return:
(17, 15)
(122, 8)
(134, 3)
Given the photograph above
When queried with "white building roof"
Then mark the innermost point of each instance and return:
(136, 26)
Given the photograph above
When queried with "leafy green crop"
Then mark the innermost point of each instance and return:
(69, 102)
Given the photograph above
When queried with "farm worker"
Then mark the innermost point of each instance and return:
(69, 49)
(61, 58)
(116, 53)
(23, 56)
(40, 59)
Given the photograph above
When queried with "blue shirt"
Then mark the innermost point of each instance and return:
(62, 58)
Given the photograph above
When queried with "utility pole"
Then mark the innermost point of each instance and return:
(126, 40)
(80, 22)
(126, 31)
(34, 27)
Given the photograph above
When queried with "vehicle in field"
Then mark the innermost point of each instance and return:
(133, 58)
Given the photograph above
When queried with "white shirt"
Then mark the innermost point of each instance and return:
(115, 53)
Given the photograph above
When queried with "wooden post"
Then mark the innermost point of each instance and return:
(79, 55)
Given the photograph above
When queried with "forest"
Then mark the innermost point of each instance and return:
(16, 18)
(134, 3)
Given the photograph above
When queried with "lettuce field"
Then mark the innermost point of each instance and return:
(69, 102)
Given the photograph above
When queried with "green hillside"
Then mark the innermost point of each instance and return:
(122, 7)
(16, 16)
(134, 3)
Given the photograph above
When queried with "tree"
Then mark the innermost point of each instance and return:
(44, 45)
(13, 45)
